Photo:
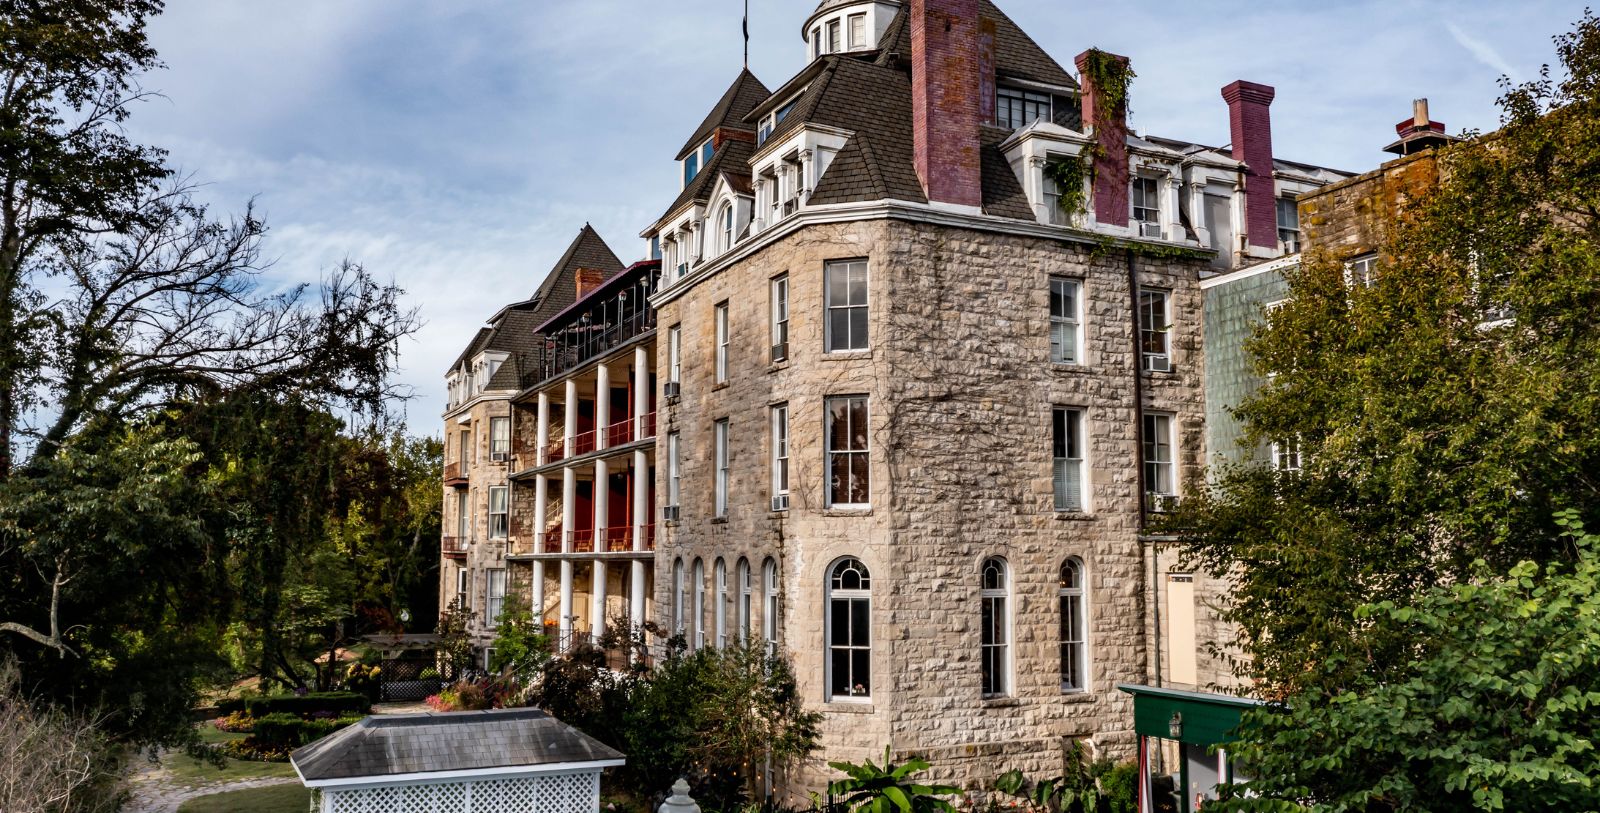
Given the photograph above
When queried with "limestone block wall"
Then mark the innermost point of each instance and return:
(482, 552)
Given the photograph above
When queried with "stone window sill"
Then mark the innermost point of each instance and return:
(838, 707)
(1075, 516)
(721, 386)
(1002, 702)
(719, 520)
(847, 355)
(1076, 696)
(847, 512)
(1164, 375)
(1074, 368)
(781, 364)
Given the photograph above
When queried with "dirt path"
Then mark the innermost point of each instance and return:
(155, 790)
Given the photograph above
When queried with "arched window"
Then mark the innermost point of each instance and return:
(743, 572)
(677, 596)
(849, 626)
(996, 628)
(726, 219)
(721, 612)
(769, 605)
(697, 621)
(1074, 626)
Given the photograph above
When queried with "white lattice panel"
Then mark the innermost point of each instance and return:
(565, 793)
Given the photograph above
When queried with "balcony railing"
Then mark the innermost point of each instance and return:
(453, 546)
(555, 450)
(552, 540)
(583, 541)
(613, 539)
(617, 539)
(455, 475)
(647, 425)
(619, 433)
(583, 442)
(573, 349)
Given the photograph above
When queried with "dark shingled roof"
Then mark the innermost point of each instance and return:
(733, 158)
(741, 97)
(875, 102)
(587, 250)
(390, 745)
(1003, 195)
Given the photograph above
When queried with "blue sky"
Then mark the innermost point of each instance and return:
(457, 147)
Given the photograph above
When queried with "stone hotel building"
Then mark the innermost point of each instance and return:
(884, 403)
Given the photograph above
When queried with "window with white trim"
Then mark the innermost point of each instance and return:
(720, 611)
(494, 596)
(726, 221)
(846, 284)
(721, 451)
(780, 457)
(849, 629)
(463, 519)
(1015, 107)
(1155, 323)
(463, 589)
(848, 452)
(1066, 429)
(499, 439)
(1286, 455)
(464, 449)
(1288, 224)
(677, 596)
(674, 353)
(1066, 324)
(835, 44)
(996, 623)
(499, 511)
(1144, 195)
(1072, 595)
(780, 317)
(742, 579)
(1160, 472)
(1362, 271)
(721, 313)
(769, 605)
(858, 31)
(674, 468)
(697, 621)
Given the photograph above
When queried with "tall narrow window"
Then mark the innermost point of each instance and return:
(780, 318)
(674, 469)
(499, 439)
(727, 226)
(463, 588)
(1067, 458)
(677, 597)
(1065, 320)
(858, 31)
(848, 453)
(742, 574)
(463, 519)
(691, 167)
(1286, 455)
(494, 596)
(996, 628)
(780, 457)
(847, 305)
(816, 42)
(722, 467)
(722, 342)
(464, 449)
(1154, 323)
(674, 353)
(1159, 476)
(1288, 225)
(697, 619)
(834, 45)
(769, 605)
(1145, 197)
(849, 626)
(720, 611)
(1074, 626)
(499, 499)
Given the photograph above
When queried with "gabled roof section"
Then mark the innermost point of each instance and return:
(741, 97)
(587, 250)
(874, 101)
(733, 159)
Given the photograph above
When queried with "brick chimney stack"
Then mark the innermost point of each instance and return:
(588, 279)
(1111, 165)
(946, 94)
(1251, 123)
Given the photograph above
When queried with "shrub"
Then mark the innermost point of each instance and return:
(236, 723)
(302, 705)
(287, 732)
(52, 760)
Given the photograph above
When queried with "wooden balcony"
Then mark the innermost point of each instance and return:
(455, 476)
(453, 546)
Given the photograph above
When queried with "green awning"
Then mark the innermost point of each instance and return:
(1208, 719)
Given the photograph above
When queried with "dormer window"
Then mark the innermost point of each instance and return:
(858, 31)
(725, 223)
(697, 160)
(1016, 108)
(771, 121)
(834, 43)
(1144, 194)
(816, 42)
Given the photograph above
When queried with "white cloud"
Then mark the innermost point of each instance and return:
(1482, 51)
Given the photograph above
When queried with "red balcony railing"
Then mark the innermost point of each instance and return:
(647, 425)
(583, 443)
(583, 541)
(618, 538)
(619, 433)
(555, 450)
(453, 546)
(552, 540)
(455, 475)
(650, 536)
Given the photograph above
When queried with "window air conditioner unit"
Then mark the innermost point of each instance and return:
(1162, 503)
(780, 502)
(1158, 364)
(780, 351)
(672, 389)
(1150, 229)
(499, 457)
(669, 513)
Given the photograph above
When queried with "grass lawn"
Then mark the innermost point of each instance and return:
(210, 735)
(187, 770)
(271, 799)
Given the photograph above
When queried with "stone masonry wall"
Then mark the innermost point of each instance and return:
(482, 552)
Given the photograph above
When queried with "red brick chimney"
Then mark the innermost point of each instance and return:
(946, 94)
(1111, 135)
(1252, 143)
(588, 280)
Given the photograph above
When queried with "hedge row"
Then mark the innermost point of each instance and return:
(286, 731)
(301, 705)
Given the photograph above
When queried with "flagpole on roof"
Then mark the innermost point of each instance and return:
(747, 34)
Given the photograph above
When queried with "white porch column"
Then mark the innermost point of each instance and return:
(602, 404)
(566, 602)
(597, 600)
(602, 500)
(1197, 210)
(641, 502)
(537, 603)
(570, 424)
(569, 507)
(1033, 187)
(544, 428)
(641, 390)
(1171, 203)
(636, 595)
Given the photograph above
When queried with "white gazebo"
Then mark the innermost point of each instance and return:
(457, 762)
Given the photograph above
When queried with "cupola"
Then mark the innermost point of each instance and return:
(847, 26)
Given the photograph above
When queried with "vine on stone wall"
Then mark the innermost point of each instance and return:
(1068, 174)
(1110, 76)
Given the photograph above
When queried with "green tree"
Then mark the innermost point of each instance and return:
(1496, 710)
(1445, 413)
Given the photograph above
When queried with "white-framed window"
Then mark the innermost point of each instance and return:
(780, 457)
(1052, 198)
(1286, 455)
(849, 455)
(1015, 107)
(1289, 224)
(849, 626)
(675, 353)
(463, 589)
(996, 621)
(721, 312)
(1144, 195)
(1072, 595)
(1362, 271)
(494, 596)
(1066, 427)
(742, 576)
(858, 31)
(464, 449)
(677, 596)
(721, 441)
(780, 317)
(463, 518)
(816, 42)
(769, 605)
(1066, 323)
(674, 468)
(1160, 473)
(725, 221)
(720, 612)
(499, 439)
(846, 284)
(1155, 325)
(697, 621)
(488, 658)
(499, 512)
(691, 167)
(835, 44)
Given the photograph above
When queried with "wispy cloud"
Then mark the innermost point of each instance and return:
(1482, 51)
